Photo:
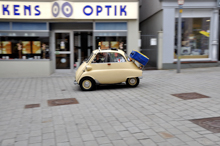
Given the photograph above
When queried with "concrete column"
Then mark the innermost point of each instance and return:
(214, 43)
(169, 34)
(132, 35)
(160, 50)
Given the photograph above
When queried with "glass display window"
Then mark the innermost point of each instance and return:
(24, 47)
(195, 38)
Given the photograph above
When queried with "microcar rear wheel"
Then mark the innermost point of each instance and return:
(132, 82)
(87, 84)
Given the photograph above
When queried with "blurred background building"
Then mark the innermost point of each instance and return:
(40, 37)
(200, 30)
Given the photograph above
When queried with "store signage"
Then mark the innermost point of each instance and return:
(70, 10)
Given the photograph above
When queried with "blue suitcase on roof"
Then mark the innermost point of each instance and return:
(141, 58)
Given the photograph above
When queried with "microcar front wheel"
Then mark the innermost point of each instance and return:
(132, 82)
(87, 84)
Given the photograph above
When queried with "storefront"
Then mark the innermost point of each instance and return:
(199, 44)
(40, 38)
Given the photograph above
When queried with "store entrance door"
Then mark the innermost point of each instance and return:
(63, 50)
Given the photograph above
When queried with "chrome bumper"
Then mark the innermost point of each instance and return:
(140, 77)
(75, 83)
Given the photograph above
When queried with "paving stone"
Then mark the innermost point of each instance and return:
(88, 137)
(134, 130)
(175, 141)
(148, 142)
(149, 132)
(212, 137)
(125, 134)
(106, 145)
(205, 141)
(22, 137)
(21, 143)
(48, 136)
(102, 140)
(8, 142)
(128, 124)
(35, 133)
(84, 131)
(140, 136)
(119, 143)
(119, 128)
(98, 134)
(193, 134)
(48, 142)
(63, 144)
(193, 143)
(131, 141)
(35, 139)
(61, 139)
(114, 136)
(9, 135)
(157, 138)
(95, 128)
(184, 138)
(35, 144)
(76, 142)
(91, 143)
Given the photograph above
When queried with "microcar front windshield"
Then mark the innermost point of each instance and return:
(89, 58)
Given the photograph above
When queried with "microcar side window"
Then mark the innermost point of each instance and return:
(116, 57)
(101, 58)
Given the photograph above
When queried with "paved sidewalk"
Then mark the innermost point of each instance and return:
(111, 115)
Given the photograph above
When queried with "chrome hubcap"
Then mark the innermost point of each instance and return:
(132, 81)
(86, 84)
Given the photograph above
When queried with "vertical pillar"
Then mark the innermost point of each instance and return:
(160, 50)
(214, 49)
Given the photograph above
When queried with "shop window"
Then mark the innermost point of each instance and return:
(24, 48)
(111, 26)
(4, 26)
(195, 38)
(112, 42)
(28, 26)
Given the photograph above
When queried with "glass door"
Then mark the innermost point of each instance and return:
(82, 46)
(63, 50)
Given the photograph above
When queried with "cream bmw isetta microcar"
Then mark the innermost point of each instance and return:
(110, 66)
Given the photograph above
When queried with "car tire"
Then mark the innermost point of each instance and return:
(87, 84)
(132, 82)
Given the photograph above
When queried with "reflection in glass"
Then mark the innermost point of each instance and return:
(24, 47)
(62, 61)
(62, 42)
(112, 42)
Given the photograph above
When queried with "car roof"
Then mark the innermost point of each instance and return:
(108, 50)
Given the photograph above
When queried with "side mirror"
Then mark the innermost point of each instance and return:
(88, 68)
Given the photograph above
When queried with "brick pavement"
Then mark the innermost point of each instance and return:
(111, 115)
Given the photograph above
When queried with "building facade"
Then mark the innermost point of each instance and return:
(38, 38)
(200, 27)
